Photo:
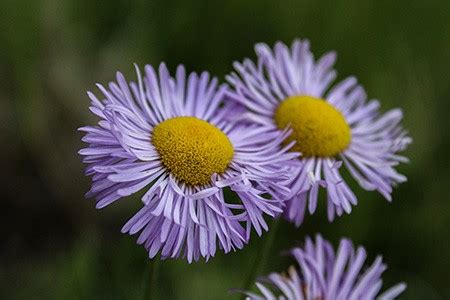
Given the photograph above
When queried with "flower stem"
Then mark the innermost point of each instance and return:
(150, 279)
(260, 260)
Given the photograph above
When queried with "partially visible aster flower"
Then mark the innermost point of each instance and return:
(173, 138)
(287, 87)
(323, 274)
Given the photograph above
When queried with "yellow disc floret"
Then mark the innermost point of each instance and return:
(192, 149)
(318, 128)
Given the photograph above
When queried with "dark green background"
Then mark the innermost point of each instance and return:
(55, 245)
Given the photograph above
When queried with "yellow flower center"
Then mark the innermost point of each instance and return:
(318, 128)
(192, 149)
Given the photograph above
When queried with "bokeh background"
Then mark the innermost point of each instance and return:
(55, 245)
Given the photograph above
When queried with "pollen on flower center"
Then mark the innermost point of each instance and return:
(318, 128)
(192, 149)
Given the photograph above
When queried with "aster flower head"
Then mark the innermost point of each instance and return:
(173, 139)
(332, 126)
(321, 273)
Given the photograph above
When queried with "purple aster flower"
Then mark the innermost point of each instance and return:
(173, 139)
(323, 274)
(331, 126)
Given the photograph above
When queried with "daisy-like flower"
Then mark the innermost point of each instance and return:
(331, 126)
(323, 274)
(173, 139)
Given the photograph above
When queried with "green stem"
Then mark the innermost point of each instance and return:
(260, 260)
(150, 279)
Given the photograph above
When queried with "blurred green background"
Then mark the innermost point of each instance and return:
(55, 245)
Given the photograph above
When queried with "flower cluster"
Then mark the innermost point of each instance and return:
(214, 161)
